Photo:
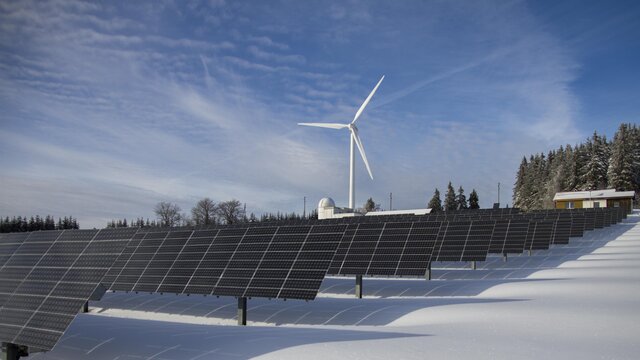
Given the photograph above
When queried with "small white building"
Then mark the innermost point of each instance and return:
(327, 209)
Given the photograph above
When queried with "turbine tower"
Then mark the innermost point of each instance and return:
(355, 139)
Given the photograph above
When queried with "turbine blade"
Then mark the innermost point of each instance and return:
(325, 125)
(354, 133)
(366, 101)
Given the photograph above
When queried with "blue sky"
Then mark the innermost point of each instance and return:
(111, 107)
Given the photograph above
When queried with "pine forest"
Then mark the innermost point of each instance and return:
(592, 165)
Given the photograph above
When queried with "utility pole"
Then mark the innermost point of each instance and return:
(304, 208)
(390, 201)
(498, 192)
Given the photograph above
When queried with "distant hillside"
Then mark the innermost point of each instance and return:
(595, 164)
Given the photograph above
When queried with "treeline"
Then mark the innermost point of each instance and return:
(453, 200)
(206, 212)
(36, 223)
(593, 165)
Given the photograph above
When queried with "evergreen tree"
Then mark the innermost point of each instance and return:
(519, 196)
(435, 204)
(450, 198)
(597, 163)
(370, 205)
(621, 164)
(461, 199)
(474, 202)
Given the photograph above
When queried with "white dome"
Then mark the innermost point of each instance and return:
(326, 203)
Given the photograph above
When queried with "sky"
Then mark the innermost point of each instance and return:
(107, 108)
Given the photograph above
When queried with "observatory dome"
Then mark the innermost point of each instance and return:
(326, 203)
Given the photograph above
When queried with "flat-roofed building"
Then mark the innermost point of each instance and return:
(594, 199)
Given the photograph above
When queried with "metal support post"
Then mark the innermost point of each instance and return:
(428, 274)
(242, 311)
(504, 257)
(12, 351)
(473, 265)
(359, 286)
(85, 307)
(529, 252)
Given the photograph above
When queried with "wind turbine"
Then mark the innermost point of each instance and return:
(355, 139)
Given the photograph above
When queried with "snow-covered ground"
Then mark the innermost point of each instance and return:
(576, 301)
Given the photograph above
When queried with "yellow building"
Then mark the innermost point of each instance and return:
(594, 199)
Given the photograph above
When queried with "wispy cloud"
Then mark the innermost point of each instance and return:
(109, 108)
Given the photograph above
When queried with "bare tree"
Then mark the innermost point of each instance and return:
(231, 211)
(168, 213)
(185, 220)
(204, 213)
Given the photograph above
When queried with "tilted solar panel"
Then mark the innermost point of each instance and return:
(516, 236)
(451, 241)
(343, 250)
(598, 219)
(577, 224)
(606, 217)
(499, 236)
(478, 241)
(56, 272)
(539, 235)
(589, 219)
(418, 250)
(286, 261)
(9, 243)
(385, 249)
(561, 231)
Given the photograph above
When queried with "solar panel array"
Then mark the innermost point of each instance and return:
(48, 279)
(263, 261)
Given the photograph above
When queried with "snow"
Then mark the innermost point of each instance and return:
(580, 300)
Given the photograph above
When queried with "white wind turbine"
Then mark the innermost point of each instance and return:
(354, 139)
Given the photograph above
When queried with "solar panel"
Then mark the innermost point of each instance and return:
(598, 219)
(385, 249)
(577, 224)
(499, 236)
(24, 258)
(416, 255)
(589, 219)
(539, 235)
(561, 230)
(516, 236)
(9, 243)
(606, 217)
(286, 261)
(451, 241)
(342, 251)
(55, 273)
(477, 244)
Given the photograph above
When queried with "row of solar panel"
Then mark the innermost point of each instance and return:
(49, 275)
